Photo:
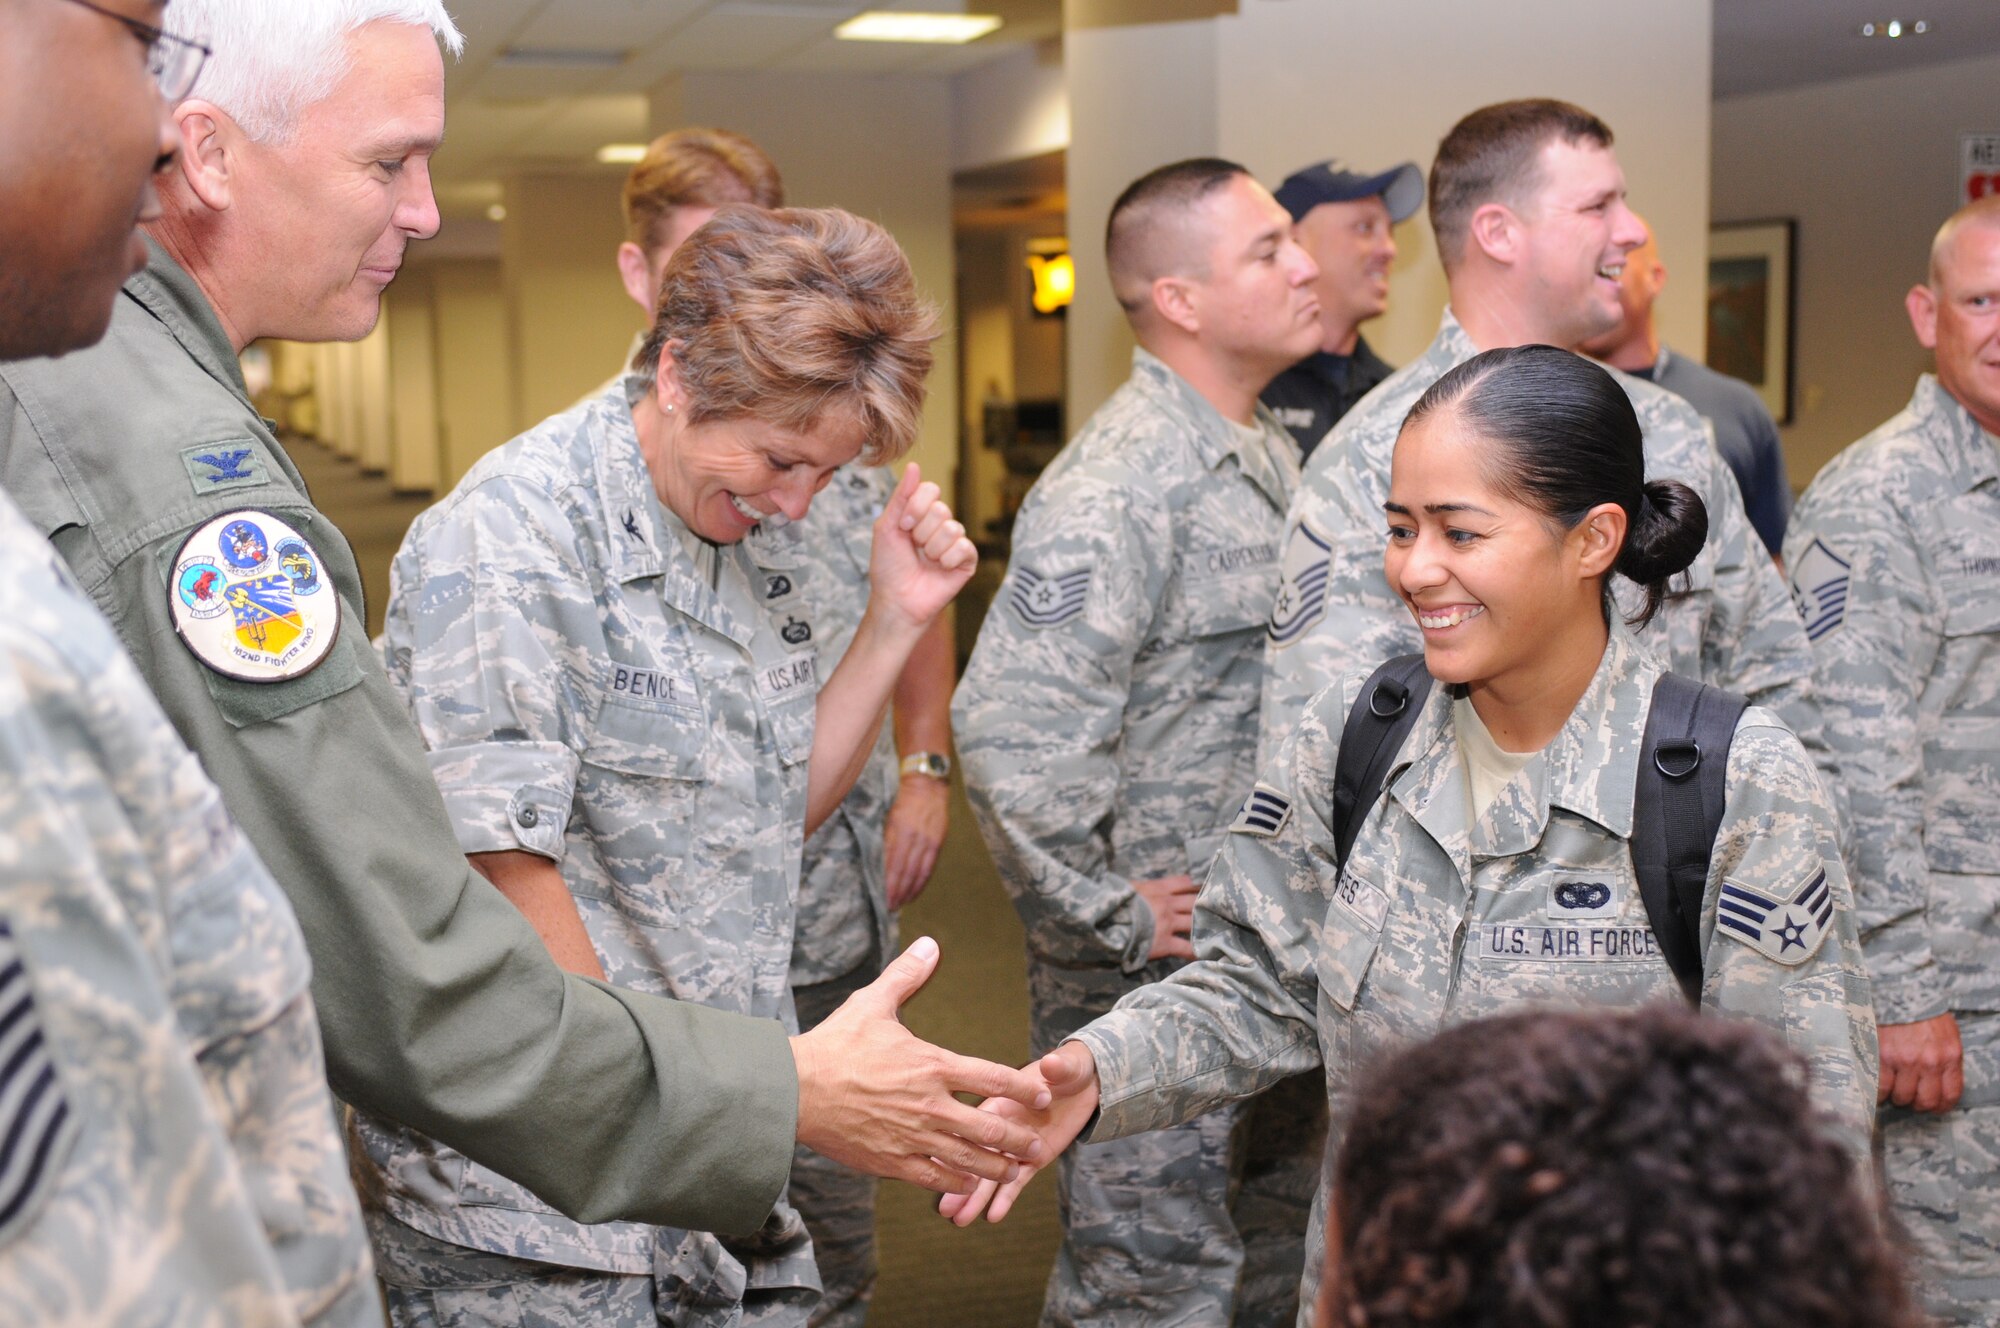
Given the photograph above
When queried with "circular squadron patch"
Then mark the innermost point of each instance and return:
(249, 600)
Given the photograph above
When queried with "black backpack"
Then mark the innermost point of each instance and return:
(1676, 809)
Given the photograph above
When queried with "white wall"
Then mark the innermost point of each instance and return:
(1868, 167)
(1283, 83)
(1010, 108)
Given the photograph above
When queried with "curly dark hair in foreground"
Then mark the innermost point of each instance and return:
(1631, 1169)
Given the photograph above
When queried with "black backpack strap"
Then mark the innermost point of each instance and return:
(1677, 812)
(1381, 718)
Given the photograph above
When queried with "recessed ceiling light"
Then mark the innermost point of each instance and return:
(886, 26)
(621, 154)
(497, 212)
(1895, 27)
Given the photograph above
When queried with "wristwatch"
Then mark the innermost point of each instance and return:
(927, 763)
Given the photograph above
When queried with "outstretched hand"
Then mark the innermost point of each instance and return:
(920, 557)
(1069, 1075)
(875, 1097)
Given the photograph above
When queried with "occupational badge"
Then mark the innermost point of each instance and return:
(249, 599)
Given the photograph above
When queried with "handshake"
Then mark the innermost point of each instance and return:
(875, 1097)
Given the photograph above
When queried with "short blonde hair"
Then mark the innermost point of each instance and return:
(796, 317)
(695, 168)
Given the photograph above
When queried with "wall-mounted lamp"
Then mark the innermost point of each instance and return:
(1053, 272)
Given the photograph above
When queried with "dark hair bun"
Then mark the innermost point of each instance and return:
(1667, 533)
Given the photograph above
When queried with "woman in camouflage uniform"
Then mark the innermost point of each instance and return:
(1495, 871)
(626, 715)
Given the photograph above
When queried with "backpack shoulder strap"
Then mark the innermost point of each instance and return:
(1381, 718)
(1677, 812)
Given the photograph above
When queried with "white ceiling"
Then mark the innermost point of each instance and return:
(1764, 45)
(508, 114)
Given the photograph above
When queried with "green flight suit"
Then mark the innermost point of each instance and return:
(439, 1005)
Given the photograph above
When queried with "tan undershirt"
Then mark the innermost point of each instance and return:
(1487, 766)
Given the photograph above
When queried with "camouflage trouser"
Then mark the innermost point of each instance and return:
(1943, 1176)
(1201, 1224)
(430, 1283)
(837, 1202)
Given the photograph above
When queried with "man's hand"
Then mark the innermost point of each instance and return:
(1172, 900)
(877, 1098)
(913, 835)
(1923, 1067)
(1071, 1076)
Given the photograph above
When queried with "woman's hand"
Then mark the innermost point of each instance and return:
(1071, 1076)
(913, 835)
(921, 557)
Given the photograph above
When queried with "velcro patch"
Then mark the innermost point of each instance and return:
(1533, 943)
(249, 598)
(237, 463)
(794, 678)
(1302, 578)
(1572, 900)
(1264, 813)
(1048, 601)
(1364, 899)
(1819, 589)
(1787, 930)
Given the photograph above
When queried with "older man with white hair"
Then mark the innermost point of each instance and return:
(303, 177)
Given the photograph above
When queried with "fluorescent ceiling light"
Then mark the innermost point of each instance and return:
(886, 26)
(621, 154)
(553, 57)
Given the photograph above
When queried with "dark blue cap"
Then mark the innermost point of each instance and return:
(1401, 188)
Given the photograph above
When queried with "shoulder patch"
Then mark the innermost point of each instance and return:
(1788, 930)
(1264, 813)
(1039, 600)
(1819, 589)
(249, 599)
(235, 463)
(35, 1118)
(1303, 570)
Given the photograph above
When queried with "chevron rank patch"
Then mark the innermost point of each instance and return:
(1819, 589)
(1048, 601)
(1303, 570)
(1788, 930)
(35, 1118)
(236, 463)
(250, 599)
(1264, 813)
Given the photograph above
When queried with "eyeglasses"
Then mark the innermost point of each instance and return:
(174, 62)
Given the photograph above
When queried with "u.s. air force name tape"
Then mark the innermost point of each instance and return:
(250, 599)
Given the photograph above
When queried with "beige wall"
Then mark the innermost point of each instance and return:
(475, 413)
(1868, 167)
(1291, 82)
(569, 319)
(1008, 352)
(877, 145)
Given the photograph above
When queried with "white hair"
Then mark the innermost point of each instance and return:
(274, 58)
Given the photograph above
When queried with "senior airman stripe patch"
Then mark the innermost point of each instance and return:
(1789, 932)
(1264, 813)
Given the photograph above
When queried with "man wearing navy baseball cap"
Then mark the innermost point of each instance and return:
(1344, 219)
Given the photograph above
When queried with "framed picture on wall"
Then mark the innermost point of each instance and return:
(1750, 308)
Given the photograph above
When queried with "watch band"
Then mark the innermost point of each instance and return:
(934, 764)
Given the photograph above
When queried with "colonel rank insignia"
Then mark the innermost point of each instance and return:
(250, 599)
(1789, 931)
(1048, 601)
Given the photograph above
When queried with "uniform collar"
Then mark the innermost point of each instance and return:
(1270, 461)
(1452, 346)
(625, 488)
(1972, 453)
(168, 292)
(1590, 768)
